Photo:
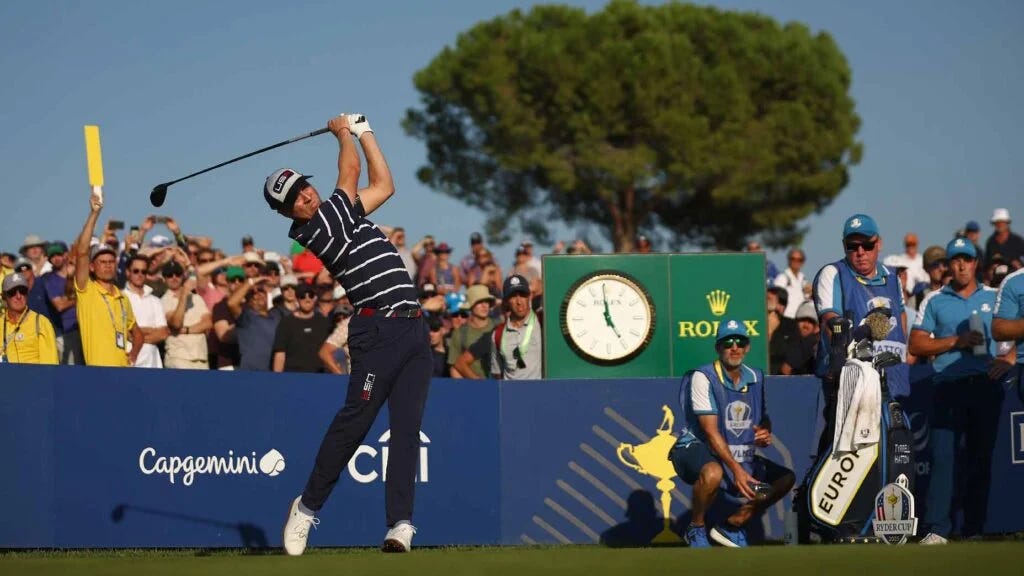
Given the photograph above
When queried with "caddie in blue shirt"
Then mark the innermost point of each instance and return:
(968, 391)
(725, 420)
(1008, 321)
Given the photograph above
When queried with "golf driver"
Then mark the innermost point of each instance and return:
(159, 193)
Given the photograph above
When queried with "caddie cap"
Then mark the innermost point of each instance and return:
(860, 224)
(730, 327)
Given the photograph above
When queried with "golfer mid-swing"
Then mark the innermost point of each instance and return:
(388, 339)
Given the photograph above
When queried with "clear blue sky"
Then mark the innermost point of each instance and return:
(179, 86)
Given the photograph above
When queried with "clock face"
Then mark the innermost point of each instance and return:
(607, 317)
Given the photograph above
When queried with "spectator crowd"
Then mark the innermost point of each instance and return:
(193, 305)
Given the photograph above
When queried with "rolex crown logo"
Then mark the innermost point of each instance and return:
(719, 301)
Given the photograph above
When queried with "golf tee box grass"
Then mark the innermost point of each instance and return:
(94, 159)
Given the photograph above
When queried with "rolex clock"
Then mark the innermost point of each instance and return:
(607, 317)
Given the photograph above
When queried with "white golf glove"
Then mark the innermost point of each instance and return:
(358, 125)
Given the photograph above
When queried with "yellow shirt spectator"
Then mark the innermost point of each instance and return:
(105, 322)
(29, 341)
(28, 338)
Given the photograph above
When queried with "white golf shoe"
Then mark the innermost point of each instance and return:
(399, 538)
(296, 529)
(933, 539)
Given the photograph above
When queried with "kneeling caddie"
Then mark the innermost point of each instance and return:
(726, 419)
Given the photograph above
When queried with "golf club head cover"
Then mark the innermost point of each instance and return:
(358, 125)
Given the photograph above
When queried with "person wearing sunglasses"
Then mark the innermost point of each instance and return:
(300, 335)
(149, 312)
(725, 421)
(844, 288)
(28, 337)
(188, 319)
(106, 322)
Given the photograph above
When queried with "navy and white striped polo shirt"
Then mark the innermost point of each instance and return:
(357, 254)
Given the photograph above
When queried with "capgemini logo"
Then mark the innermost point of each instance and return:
(272, 463)
(188, 467)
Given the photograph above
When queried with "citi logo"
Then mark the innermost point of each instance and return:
(365, 473)
(188, 467)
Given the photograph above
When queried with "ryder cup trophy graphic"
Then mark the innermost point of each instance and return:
(651, 458)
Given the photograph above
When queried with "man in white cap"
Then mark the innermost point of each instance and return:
(28, 337)
(106, 322)
(1003, 242)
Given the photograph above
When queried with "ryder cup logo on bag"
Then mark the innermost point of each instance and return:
(737, 417)
(188, 467)
(894, 512)
(364, 473)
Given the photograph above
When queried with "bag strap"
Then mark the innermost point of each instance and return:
(499, 332)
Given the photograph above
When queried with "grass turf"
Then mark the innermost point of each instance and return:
(992, 558)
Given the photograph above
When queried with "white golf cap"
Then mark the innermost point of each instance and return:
(1000, 215)
(279, 190)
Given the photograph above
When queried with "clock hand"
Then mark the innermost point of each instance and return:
(608, 313)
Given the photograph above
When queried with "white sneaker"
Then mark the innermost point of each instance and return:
(933, 539)
(296, 529)
(399, 538)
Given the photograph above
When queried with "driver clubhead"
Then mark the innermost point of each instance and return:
(158, 195)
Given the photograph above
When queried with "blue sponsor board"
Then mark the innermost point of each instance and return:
(149, 458)
(587, 462)
(126, 458)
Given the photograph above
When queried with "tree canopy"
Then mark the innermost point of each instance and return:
(704, 126)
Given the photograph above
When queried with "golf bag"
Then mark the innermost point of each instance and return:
(837, 499)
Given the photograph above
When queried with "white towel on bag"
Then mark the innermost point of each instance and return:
(858, 409)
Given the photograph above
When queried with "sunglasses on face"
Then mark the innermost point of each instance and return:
(728, 343)
(247, 264)
(519, 358)
(20, 290)
(868, 245)
(308, 296)
(462, 314)
(174, 275)
(206, 260)
(138, 270)
(236, 280)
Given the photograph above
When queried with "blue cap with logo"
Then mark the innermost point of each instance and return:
(961, 247)
(730, 327)
(860, 224)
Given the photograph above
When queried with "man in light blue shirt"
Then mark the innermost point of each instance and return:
(1008, 320)
(968, 394)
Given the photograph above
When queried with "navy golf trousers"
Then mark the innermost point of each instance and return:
(391, 362)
